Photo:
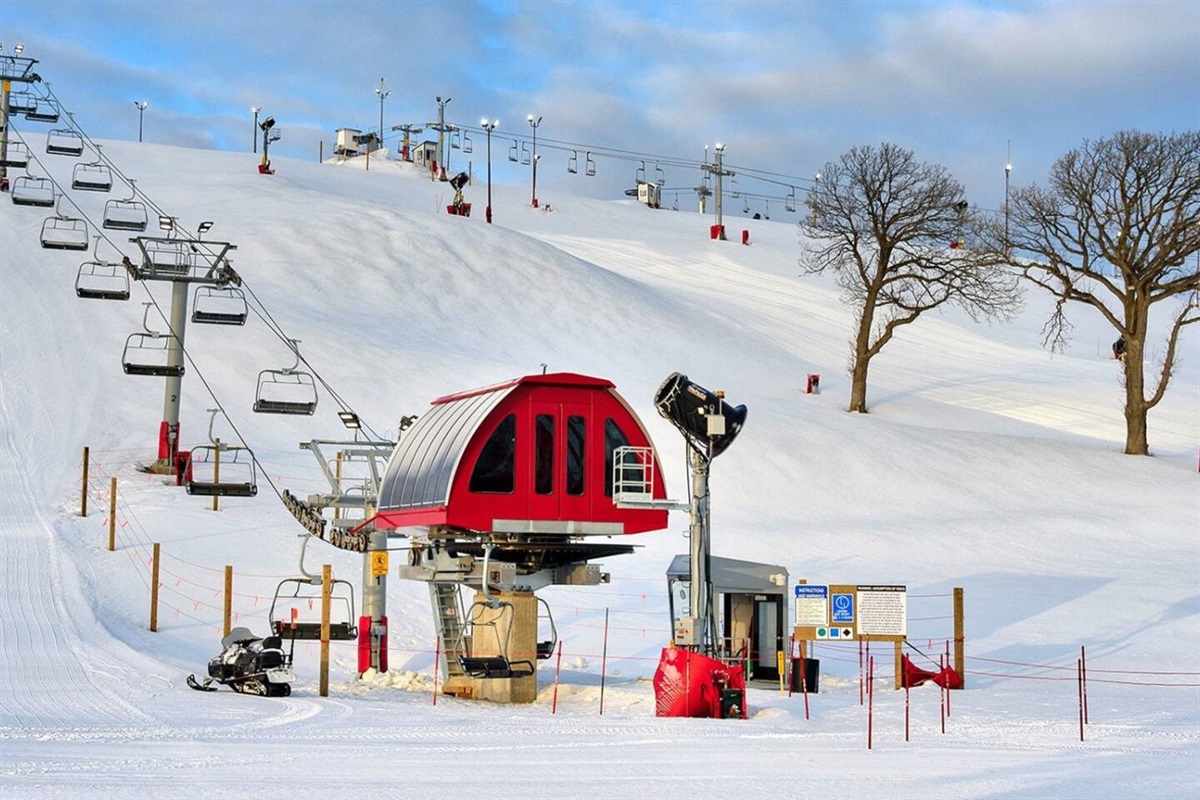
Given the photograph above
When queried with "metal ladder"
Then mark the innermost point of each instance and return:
(447, 610)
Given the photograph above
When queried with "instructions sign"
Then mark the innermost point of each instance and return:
(883, 610)
(812, 605)
(379, 563)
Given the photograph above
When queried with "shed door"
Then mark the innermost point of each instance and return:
(559, 455)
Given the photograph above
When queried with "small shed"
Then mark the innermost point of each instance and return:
(751, 603)
(424, 154)
(347, 141)
(533, 456)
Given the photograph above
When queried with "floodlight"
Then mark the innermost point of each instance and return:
(350, 420)
(204, 228)
(166, 223)
(20, 48)
(704, 418)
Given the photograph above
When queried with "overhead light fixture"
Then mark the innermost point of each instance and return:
(350, 420)
(166, 223)
(204, 227)
(20, 48)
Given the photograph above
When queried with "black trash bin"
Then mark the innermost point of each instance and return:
(812, 675)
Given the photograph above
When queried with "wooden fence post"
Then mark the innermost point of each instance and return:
(83, 492)
(112, 514)
(326, 598)
(154, 591)
(959, 655)
(228, 597)
(899, 657)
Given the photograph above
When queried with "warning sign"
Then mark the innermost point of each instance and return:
(379, 563)
(882, 610)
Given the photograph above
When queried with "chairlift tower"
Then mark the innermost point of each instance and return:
(441, 127)
(408, 129)
(13, 69)
(182, 261)
(718, 169)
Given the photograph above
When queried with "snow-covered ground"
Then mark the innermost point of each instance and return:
(987, 464)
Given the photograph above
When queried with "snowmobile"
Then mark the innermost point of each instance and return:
(249, 664)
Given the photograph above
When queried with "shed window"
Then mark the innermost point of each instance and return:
(576, 434)
(614, 437)
(543, 473)
(495, 470)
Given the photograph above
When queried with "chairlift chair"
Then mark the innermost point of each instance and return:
(298, 595)
(96, 177)
(102, 280)
(573, 163)
(126, 215)
(456, 139)
(64, 142)
(476, 627)
(214, 463)
(221, 470)
(16, 155)
(467, 145)
(524, 154)
(286, 391)
(640, 175)
(660, 177)
(224, 470)
(21, 102)
(789, 202)
(546, 643)
(147, 352)
(62, 232)
(512, 152)
(42, 110)
(219, 305)
(589, 166)
(28, 190)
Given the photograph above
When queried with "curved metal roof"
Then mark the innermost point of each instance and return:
(423, 465)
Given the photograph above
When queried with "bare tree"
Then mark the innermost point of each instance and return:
(1117, 229)
(891, 229)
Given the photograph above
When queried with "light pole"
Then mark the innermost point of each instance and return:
(488, 127)
(383, 95)
(1007, 172)
(534, 124)
(254, 133)
(141, 107)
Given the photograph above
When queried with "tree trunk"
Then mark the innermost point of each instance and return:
(1136, 409)
(862, 361)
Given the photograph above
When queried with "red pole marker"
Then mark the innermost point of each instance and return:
(870, 699)
(942, 693)
(1079, 682)
(1083, 673)
(557, 670)
(906, 711)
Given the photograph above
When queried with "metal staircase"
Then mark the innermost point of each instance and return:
(447, 610)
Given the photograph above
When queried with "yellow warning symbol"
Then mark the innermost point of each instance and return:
(379, 563)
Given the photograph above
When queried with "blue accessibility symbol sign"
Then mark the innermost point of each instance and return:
(842, 610)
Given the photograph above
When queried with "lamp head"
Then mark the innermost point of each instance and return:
(707, 422)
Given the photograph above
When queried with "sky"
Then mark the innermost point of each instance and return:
(786, 87)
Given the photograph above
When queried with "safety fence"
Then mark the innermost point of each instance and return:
(205, 595)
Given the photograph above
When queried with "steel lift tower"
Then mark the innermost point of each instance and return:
(181, 260)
